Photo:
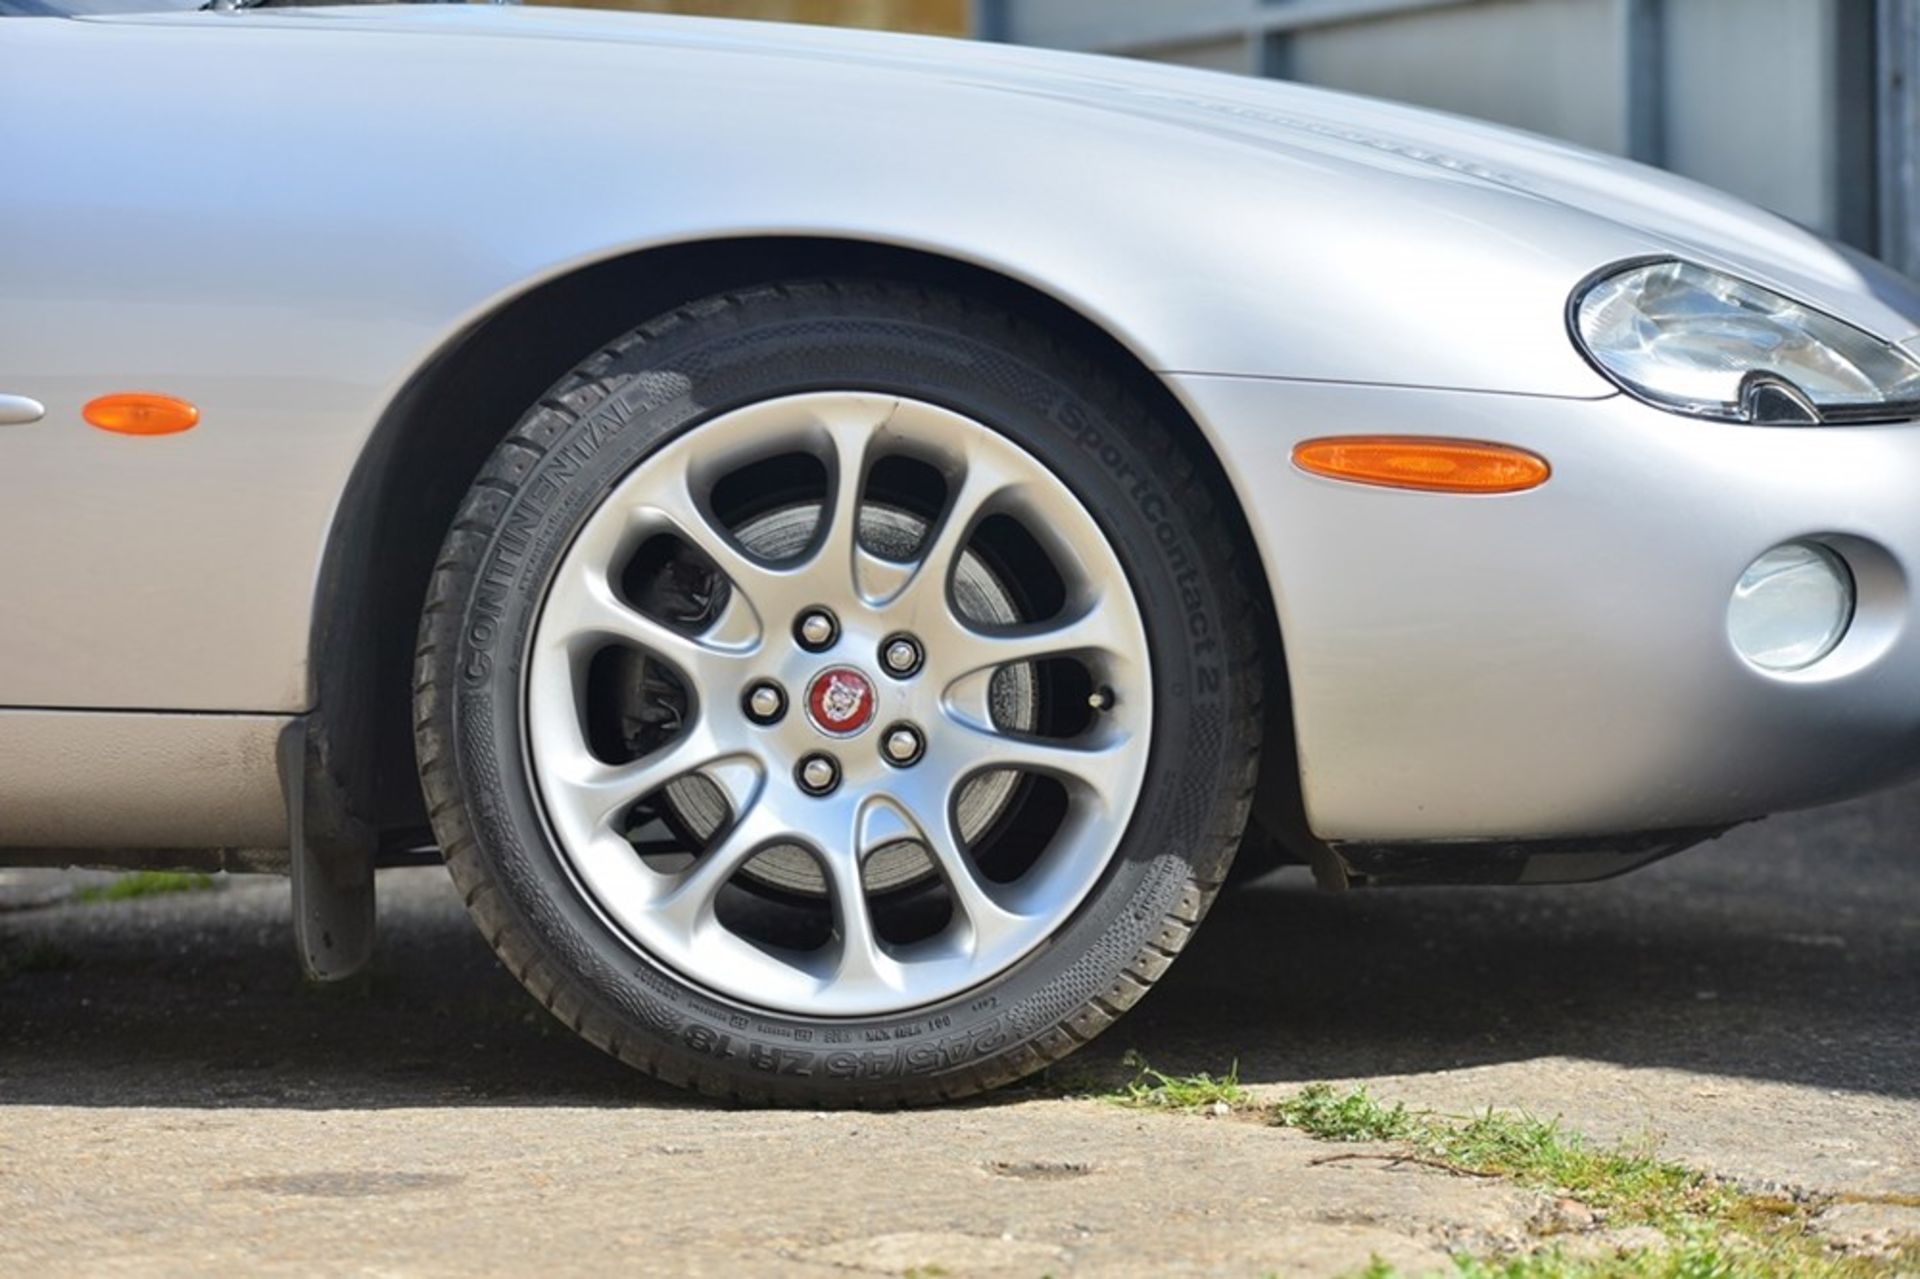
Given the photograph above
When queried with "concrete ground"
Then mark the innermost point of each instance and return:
(173, 1100)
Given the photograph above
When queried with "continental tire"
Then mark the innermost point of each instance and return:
(838, 693)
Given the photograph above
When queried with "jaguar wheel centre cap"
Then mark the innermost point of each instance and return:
(840, 701)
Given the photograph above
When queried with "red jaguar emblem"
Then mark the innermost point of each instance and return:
(840, 701)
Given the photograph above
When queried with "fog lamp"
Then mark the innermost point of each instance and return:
(1791, 607)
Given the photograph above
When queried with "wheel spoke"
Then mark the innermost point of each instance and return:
(1095, 769)
(851, 446)
(968, 658)
(877, 580)
(882, 822)
(690, 902)
(987, 920)
(858, 955)
(925, 591)
(964, 650)
(1092, 630)
(737, 629)
(582, 607)
(597, 792)
(674, 506)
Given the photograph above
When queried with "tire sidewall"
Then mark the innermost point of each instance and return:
(557, 469)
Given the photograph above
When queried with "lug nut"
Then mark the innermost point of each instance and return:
(901, 655)
(766, 703)
(903, 745)
(816, 629)
(1102, 699)
(818, 774)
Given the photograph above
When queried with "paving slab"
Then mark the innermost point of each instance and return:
(174, 1100)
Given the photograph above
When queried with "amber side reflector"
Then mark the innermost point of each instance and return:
(140, 413)
(1416, 462)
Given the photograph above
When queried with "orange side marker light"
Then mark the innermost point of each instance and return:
(140, 413)
(1423, 463)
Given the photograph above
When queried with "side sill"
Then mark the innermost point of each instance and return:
(77, 785)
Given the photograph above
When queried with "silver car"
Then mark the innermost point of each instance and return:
(838, 539)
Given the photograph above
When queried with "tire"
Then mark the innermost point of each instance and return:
(765, 985)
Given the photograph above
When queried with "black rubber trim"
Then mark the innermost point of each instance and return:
(1581, 860)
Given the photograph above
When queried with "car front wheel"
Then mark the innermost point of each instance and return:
(838, 693)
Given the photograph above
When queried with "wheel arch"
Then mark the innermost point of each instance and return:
(433, 437)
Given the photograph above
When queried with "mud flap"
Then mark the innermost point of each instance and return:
(333, 897)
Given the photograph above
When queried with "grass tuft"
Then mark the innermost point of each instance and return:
(1149, 1089)
(146, 883)
(1633, 1185)
(1699, 1257)
(1320, 1112)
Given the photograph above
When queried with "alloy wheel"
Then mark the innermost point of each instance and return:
(936, 660)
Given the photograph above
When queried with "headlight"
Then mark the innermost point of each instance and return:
(1699, 342)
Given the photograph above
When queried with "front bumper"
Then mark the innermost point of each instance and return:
(1556, 663)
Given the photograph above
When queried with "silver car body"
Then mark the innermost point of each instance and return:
(283, 216)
